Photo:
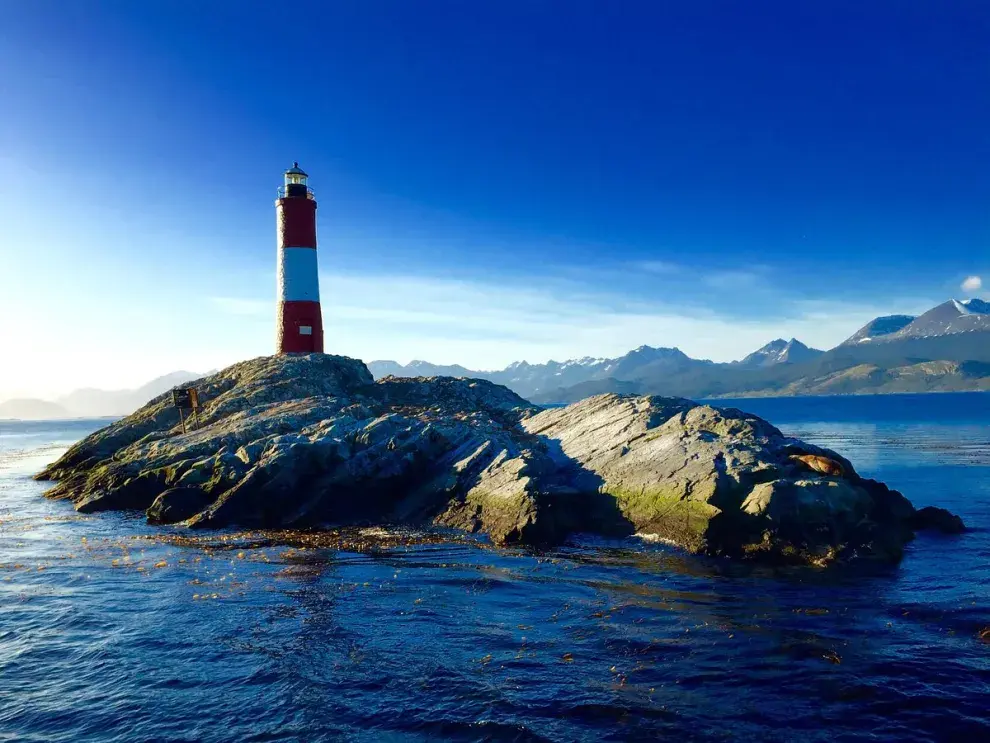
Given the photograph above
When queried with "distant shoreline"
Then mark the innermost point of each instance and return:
(758, 396)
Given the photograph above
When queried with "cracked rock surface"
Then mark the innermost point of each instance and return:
(313, 440)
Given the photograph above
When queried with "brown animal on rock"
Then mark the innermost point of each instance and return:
(823, 465)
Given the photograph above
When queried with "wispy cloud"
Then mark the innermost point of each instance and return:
(239, 306)
(659, 267)
(487, 324)
(736, 279)
(483, 322)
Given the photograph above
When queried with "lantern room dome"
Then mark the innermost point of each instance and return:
(296, 170)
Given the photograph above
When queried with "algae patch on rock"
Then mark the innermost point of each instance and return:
(313, 441)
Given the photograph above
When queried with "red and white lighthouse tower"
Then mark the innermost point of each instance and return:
(299, 324)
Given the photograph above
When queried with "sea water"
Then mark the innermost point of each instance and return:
(112, 630)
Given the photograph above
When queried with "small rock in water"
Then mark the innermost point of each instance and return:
(177, 504)
(932, 517)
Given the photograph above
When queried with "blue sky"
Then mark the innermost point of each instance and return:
(496, 181)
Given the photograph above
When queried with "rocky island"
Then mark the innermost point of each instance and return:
(313, 440)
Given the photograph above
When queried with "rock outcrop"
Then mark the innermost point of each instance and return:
(290, 441)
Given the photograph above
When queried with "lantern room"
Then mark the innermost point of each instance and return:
(296, 183)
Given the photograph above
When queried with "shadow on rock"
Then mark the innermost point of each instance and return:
(312, 440)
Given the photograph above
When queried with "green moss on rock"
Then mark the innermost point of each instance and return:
(668, 512)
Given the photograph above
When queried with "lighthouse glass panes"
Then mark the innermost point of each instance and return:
(296, 183)
(299, 323)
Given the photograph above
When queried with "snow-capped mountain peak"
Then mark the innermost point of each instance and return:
(972, 306)
(780, 351)
(585, 361)
(880, 327)
(949, 318)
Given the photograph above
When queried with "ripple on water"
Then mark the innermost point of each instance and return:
(111, 630)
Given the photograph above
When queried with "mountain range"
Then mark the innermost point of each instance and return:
(93, 403)
(944, 349)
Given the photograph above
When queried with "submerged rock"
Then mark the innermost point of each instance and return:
(292, 441)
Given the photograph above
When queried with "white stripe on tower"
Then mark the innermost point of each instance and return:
(298, 276)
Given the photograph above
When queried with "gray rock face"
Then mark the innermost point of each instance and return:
(725, 482)
(313, 440)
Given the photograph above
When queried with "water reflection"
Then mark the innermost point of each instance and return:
(112, 630)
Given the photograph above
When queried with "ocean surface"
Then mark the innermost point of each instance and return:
(111, 630)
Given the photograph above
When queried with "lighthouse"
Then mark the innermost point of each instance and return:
(299, 324)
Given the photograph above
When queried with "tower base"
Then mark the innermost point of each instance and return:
(299, 328)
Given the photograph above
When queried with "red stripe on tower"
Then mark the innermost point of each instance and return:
(299, 324)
